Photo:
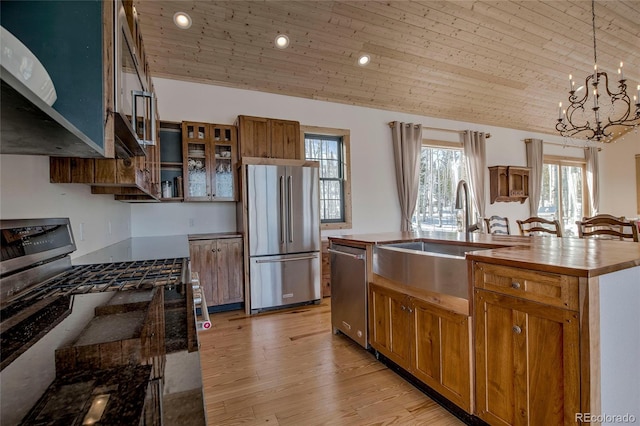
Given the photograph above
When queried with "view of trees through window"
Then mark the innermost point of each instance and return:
(562, 194)
(328, 151)
(440, 171)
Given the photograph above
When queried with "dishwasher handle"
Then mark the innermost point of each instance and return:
(344, 253)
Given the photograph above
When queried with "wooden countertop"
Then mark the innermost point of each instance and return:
(569, 256)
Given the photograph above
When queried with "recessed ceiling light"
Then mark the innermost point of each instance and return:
(364, 60)
(182, 20)
(282, 41)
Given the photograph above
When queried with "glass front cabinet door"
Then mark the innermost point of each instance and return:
(209, 153)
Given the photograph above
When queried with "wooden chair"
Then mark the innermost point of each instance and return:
(497, 225)
(606, 226)
(539, 226)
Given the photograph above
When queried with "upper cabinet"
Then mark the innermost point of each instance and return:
(508, 183)
(104, 105)
(270, 138)
(209, 155)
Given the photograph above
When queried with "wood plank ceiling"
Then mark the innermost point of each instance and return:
(501, 63)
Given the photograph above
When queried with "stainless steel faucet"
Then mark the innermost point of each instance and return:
(468, 227)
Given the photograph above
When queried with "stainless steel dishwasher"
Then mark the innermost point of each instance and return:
(349, 292)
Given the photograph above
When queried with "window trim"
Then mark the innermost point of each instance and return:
(345, 134)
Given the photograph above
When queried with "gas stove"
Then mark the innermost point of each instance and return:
(49, 307)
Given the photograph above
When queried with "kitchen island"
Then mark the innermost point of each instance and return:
(544, 324)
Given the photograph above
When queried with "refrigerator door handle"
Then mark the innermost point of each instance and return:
(283, 208)
(290, 199)
(291, 259)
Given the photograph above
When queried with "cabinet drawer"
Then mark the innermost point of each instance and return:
(551, 289)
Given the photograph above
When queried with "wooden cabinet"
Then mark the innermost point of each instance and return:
(527, 353)
(209, 156)
(431, 343)
(171, 164)
(390, 325)
(271, 138)
(219, 265)
(325, 278)
(508, 183)
(132, 179)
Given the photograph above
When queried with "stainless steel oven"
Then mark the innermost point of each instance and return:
(117, 338)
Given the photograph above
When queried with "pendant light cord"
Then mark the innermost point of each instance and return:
(593, 20)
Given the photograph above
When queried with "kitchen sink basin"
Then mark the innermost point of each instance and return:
(433, 266)
(436, 248)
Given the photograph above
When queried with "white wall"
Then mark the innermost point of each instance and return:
(374, 199)
(618, 176)
(620, 343)
(25, 192)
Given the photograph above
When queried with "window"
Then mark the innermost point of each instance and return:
(441, 167)
(330, 147)
(563, 193)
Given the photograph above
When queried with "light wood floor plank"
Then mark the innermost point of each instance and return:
(287, 368)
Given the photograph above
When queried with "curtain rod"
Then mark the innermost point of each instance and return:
(487, 135)
(562, 144)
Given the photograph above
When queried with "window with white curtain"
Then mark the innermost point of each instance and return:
(563, 195)
(441, 167)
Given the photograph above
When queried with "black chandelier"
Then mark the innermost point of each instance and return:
(574, 121)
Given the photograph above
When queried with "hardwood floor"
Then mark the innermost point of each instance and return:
(287, 368)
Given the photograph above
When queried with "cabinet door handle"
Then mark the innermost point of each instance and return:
(410, 310)
(517, 329)
(515, 285)
(404, 308)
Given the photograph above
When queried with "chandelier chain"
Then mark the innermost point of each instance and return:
(593, 22)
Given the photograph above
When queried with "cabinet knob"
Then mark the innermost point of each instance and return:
(410, 310)
(515, 285)
(517, 329)
(404, 308)
(218, 249)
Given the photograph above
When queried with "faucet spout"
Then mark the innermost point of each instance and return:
(463, 191)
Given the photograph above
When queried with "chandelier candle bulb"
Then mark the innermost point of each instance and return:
(621, 72)
(570, 83)
(560, 111)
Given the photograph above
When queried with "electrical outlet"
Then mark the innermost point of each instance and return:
(191, 222)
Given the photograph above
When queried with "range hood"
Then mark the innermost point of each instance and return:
(31, 127)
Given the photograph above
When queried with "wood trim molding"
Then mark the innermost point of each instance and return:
(638, 181)
(346, 143)
(590, 384)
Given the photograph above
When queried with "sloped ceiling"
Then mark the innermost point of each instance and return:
(502, 63)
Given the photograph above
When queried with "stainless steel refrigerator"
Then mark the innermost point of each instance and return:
(284, 235)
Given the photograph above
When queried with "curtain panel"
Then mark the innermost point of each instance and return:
(535, 161)
(407, 144)
(476, 160)
(593, 170)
